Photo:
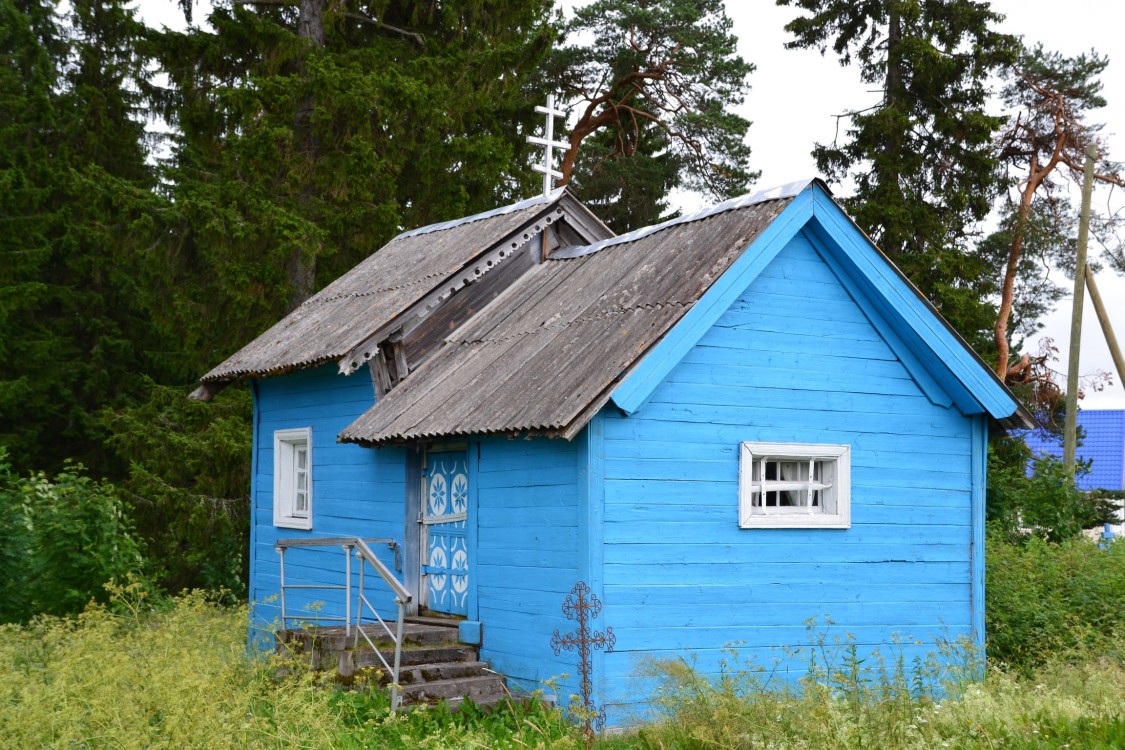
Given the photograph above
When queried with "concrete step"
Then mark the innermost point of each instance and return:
(336, 639)
(481, 689)
(440, 654)
(453, 670)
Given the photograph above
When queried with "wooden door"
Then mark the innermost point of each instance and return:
(445, 558)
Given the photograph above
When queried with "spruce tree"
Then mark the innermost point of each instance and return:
(921, 157)
(73, 212)
(309, 134)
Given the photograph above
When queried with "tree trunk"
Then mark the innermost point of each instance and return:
(1008, 289)
(302, 260)
(892, 242)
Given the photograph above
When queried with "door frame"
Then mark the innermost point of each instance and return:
(413, 535)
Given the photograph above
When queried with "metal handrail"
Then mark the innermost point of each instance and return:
(365, 556)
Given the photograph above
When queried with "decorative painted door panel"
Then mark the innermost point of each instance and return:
(445, 558)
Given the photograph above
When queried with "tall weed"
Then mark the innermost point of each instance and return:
(135, 678)
(178, 675)
(846, 704)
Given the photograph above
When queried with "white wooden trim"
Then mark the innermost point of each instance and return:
(285, 443)
(796, 516)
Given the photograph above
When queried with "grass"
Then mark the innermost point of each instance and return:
(178, 676)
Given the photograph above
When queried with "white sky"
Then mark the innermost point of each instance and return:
(796, 93)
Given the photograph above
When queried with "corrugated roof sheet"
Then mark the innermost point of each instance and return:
(548, 350)
(357, 304)
(1103, 446)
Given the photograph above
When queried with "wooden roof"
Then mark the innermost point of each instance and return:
(546, 354)
(337, 319)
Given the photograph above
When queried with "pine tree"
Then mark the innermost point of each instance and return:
(654, 84)
(1043, 146)
(921, 158)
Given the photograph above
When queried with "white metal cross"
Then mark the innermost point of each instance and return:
(550, 174)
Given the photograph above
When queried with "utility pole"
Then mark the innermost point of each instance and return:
(1071, 428)
(1107, 327)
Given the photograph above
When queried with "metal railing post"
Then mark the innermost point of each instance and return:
(348, 590)
(281, 552)
(359, 608)
(398, 655)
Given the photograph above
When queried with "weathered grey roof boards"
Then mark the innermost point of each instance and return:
(545, 355)
(526, 319)
(395, 286)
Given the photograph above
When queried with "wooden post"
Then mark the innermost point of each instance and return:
(1107, 327)
(1071, 428)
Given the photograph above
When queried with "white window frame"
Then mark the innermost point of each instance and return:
(287, 447)
(833, 511)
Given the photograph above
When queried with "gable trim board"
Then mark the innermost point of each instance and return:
(881, 288)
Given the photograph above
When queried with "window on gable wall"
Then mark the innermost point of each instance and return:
(794, 485)
(292, 478)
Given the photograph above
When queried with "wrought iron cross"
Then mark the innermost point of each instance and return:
(581, 605)
(550, 174)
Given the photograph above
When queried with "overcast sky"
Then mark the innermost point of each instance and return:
(796, 94)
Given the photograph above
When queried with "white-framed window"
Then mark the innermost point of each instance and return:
(794, 485)
(292, 478)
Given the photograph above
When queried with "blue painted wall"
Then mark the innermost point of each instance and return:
(527, 510)
(356, 491)
(1103, 445)
(795, 359)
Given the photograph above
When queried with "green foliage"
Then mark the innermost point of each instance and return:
(132, 676)
(175, 679)
(1045, 504)
(1045, 599)
(922, 157)
(63, 539)
(852, 705)
(188, 489)
(654, 84)
(365, 717)
(179, 677)
(297, 156)
(75, 204)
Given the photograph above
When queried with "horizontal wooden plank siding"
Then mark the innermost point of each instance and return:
(355, 492)
(793, 360)
(527, 554)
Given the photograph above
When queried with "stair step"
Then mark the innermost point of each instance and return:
(450, 652)
(441, 671)
(336, 639)
(483, 687)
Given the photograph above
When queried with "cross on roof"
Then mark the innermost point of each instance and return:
(550, 144)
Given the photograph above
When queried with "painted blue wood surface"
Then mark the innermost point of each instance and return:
(527, 555)
(356, 491)
(778, 366)
(940, 363)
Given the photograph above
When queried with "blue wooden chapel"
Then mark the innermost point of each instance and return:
(726, 424)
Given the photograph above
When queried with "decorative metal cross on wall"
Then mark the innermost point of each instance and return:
(550, 174)
(581, 605)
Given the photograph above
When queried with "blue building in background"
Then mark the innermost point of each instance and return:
(1103, 445)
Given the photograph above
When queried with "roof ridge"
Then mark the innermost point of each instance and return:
(788, 190)
(511, 208)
